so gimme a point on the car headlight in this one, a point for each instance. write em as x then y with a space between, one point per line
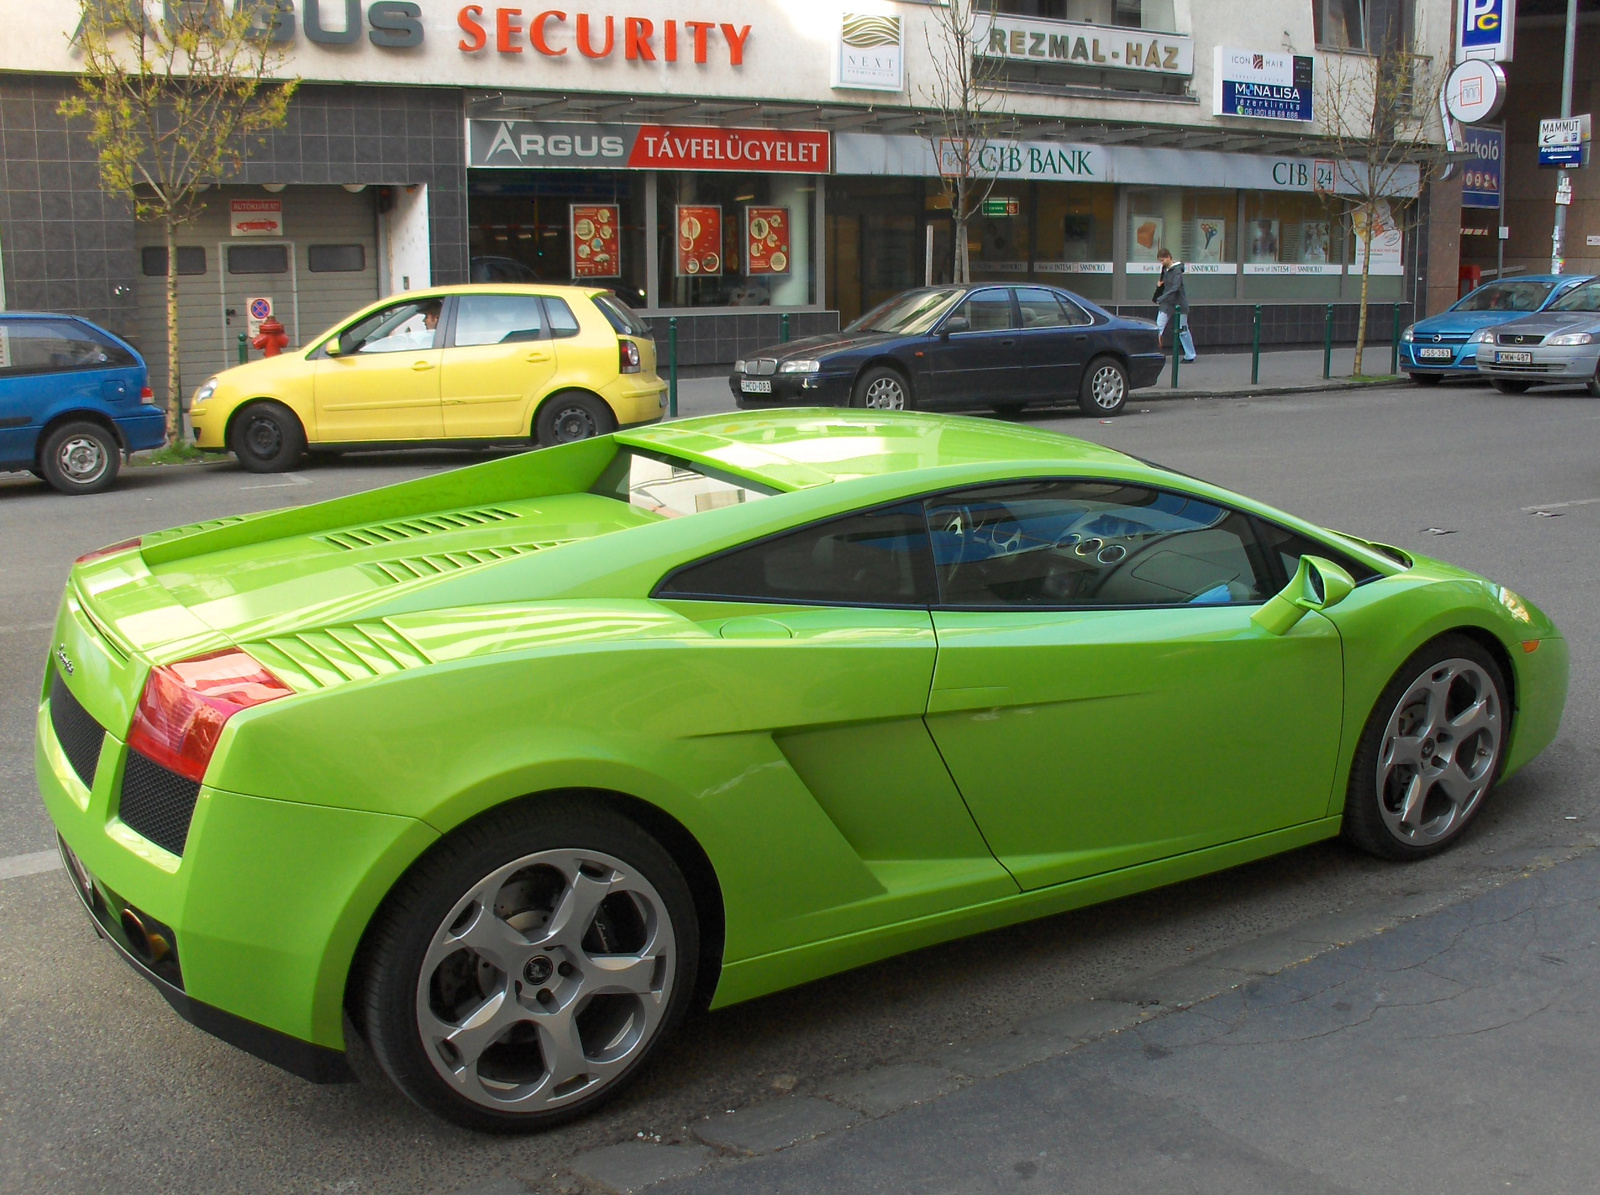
1483 336
800 366
738 366
1409 334
207 389
1514 604
1572 338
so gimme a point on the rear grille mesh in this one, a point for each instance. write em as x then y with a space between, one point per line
157 803
417 568
376 535
76 730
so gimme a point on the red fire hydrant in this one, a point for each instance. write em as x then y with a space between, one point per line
272 339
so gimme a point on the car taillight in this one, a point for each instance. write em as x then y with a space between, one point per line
628 356
109 550
148 397
185 706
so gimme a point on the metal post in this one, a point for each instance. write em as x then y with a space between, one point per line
1558 238
1177 339
1255 350
1499 214
672 367
1394 344
244 350
1327 344
783 327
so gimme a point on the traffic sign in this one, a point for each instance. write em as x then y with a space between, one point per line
1564 141
257 310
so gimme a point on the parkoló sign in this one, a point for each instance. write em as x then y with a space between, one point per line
513 144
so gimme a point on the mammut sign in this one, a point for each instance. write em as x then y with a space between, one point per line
553 144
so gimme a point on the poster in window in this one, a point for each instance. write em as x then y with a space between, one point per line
596 240
1148 233
1316 237
1210 234
1263 240
766 240
699 241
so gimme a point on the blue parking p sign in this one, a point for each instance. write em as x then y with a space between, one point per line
1486 30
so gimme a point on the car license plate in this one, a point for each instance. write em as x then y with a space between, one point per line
763 386
1513 358
1436 354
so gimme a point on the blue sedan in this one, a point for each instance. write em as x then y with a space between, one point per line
1440 346
73 399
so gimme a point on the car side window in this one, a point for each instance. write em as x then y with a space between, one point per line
871 558
1288 546
562 322
399 328
497 319
1068 544
56 346
986 310
1041 308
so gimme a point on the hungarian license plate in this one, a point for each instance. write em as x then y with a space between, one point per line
759 386
1436 354
1513 358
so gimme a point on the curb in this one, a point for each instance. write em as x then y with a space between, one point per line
1320 387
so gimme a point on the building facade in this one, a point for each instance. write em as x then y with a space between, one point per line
731 162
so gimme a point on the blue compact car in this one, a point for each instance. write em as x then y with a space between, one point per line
1439 347
73 400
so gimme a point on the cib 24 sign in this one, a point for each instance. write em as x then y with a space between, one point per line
1487 29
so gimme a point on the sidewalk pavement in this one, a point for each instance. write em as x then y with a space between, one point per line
1214 375
1454 1052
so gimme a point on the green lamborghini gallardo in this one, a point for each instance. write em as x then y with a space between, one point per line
517 763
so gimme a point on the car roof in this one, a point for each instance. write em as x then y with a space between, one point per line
1555 278
795 449
500 288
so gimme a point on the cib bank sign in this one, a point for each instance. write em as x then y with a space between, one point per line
1487 29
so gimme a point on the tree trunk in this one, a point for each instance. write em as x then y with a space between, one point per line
959 265
174 368
1361 322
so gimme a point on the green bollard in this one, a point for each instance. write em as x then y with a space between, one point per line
783 324
244 350
1255 350
1177 342
1327 345
1394 344
672 367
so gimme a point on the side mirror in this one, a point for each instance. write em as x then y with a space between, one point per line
956 323
333 348
1318 584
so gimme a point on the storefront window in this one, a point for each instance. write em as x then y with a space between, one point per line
1073 231
1197 227
877 243
1293 247
524 227
1135 14
733 240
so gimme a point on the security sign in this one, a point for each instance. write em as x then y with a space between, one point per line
1487 30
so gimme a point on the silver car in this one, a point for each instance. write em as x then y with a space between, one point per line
1559 344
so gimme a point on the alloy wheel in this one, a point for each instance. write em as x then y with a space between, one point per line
1439 751
886 394
82 460
546 981
1108 388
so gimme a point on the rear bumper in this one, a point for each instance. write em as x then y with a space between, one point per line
1144 369
637 401
147 429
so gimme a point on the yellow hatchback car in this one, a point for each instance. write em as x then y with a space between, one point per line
484 364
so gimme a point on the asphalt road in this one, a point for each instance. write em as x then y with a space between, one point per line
102 1088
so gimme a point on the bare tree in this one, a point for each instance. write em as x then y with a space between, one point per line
174 105
1378 112
968 104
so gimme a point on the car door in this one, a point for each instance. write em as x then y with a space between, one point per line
498 360
53 365
823 641
1054 335
973 359
1102 697
382 383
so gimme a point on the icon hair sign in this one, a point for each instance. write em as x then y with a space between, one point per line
872 53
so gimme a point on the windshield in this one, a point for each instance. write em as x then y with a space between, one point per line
1582 298
671 487
907 314
1507 296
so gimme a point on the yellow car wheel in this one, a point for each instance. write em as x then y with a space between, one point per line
571 416
267 438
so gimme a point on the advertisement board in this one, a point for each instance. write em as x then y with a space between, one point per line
699 240
766 240
562 145
596 242
255 217
872 53
1481 176
1263 86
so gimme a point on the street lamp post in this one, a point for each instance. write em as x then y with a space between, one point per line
1558 237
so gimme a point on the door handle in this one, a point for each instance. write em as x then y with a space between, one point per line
419 366
536 357
1081 338
1005 344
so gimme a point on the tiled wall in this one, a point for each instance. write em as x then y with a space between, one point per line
69 246
1282 324
722 338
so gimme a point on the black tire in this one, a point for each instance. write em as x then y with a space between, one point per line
267 438
570 416
80 458
1427 379
1104 390
883 389
1510 385
1380 781
1592 386
437 905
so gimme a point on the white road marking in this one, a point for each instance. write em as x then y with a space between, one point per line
27 865
1560 505
292 479
32 626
